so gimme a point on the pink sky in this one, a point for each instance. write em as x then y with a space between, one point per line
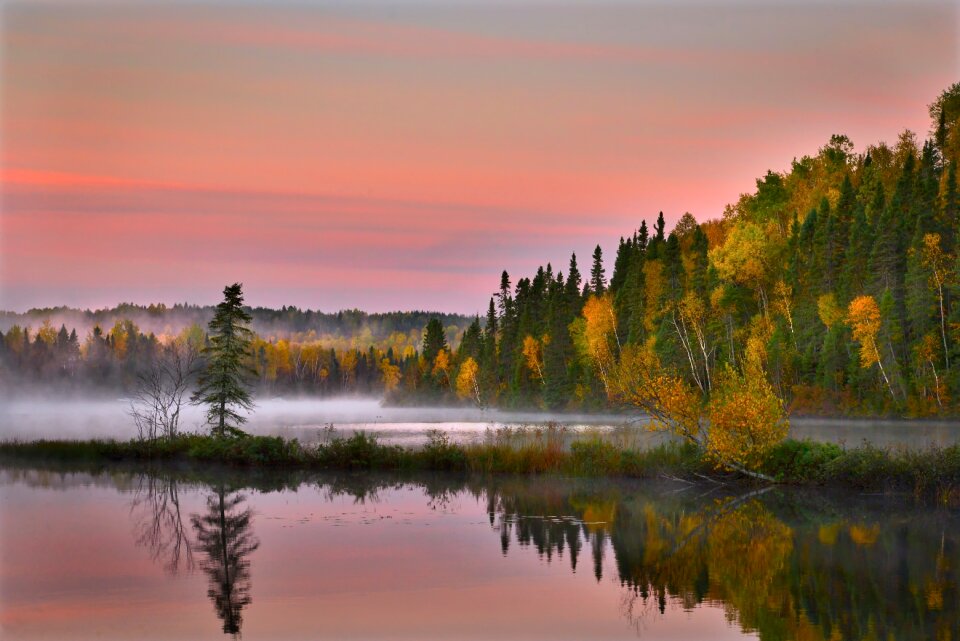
399 156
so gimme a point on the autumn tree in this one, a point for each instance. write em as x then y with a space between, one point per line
533 356
863 315
937 264
390 374
467 384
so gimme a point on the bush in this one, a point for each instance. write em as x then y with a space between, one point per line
440 454
800 461
361 451
247 450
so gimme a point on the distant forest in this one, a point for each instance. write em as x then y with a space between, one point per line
295 351
840 276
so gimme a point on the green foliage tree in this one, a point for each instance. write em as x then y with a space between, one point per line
223 385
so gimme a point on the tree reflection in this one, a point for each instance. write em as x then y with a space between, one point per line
225 537
159 525
782 566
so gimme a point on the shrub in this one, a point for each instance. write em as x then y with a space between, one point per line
440 454
361 451
800 461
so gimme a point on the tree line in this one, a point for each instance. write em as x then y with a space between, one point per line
838 279
115 358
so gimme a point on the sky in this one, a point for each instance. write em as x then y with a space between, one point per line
400 155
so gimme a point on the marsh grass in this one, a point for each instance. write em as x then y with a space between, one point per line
544 449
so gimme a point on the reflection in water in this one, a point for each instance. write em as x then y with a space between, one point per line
225 536
782 564
159 524
785 567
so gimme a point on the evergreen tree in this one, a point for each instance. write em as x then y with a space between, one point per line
643 236
659 229
434 340
223 385
598 283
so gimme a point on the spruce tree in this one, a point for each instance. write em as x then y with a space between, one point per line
434 340
659 229
598 283
223 385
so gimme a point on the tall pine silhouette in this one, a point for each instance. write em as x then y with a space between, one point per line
224 384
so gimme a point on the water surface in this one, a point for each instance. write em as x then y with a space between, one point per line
306 418
117 555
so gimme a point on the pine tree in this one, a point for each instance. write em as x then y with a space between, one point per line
643 236
621 264
598 283
659 229
557 389
223 385
434 340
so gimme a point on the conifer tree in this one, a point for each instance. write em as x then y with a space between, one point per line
224 384
659 229
598 283
434 340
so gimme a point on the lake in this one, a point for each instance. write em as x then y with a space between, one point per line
45 417
125 555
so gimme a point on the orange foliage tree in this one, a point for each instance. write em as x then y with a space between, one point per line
863 315
735 426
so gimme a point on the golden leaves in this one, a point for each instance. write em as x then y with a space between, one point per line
829 311
746 419
391 375
467 380
863 315
533 355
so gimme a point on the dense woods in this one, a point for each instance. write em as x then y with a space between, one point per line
836 281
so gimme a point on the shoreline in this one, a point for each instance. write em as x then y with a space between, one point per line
931 473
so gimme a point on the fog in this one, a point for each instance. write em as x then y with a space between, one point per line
38 417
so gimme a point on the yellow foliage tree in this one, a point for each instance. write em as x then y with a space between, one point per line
739 424
937 262
690 323
441 366
783 304
533 356
926 352
746 418
391 375
467 386
600 335
829 311
863 316
744 258
47 333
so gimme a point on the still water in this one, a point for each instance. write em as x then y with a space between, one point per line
305 419
122 555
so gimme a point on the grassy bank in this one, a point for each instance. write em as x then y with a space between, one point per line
931 472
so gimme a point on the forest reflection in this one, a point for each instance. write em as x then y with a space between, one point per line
782 564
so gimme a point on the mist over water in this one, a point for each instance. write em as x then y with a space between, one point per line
39 416
304 418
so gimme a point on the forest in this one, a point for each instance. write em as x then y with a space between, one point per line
836 280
